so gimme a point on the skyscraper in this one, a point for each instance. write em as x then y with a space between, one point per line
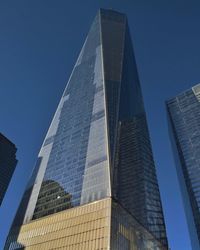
184 119
8 163
96 185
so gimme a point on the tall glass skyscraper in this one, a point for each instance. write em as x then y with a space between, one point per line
96 185
184 119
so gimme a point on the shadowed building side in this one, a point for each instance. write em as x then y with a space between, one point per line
8 164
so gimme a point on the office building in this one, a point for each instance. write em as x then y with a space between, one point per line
8 163
184 120
96 186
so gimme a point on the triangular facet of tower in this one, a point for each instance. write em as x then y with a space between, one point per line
75 151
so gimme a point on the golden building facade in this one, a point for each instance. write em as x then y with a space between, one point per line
101 225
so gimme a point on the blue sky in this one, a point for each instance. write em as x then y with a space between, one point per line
39 43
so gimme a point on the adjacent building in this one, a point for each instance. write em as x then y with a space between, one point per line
184 120
8 163
96 184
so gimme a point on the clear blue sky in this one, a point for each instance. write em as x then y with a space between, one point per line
39 43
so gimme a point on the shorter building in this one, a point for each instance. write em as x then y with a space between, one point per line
184 120
8 163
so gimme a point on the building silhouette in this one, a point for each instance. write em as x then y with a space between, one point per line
184 120
97 153
8 164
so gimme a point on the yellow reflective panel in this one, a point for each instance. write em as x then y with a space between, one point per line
76 228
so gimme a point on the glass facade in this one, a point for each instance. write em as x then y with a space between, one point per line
74 154
8 164
184 120
98 145
128 234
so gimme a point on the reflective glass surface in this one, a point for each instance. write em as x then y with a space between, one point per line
76 171
184 118
128 234
98 143
134 181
